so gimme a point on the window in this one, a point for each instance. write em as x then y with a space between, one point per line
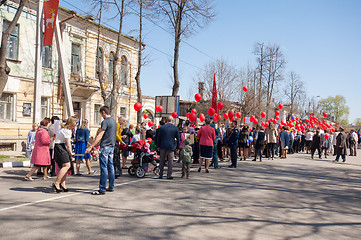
97 116
111 71
75 58
47 56
13 42
123 112
99 62
6 106
124 71
44 107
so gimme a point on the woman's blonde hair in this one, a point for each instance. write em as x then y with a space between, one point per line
84 124
35 125
70 123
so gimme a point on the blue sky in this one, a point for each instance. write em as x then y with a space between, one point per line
321 40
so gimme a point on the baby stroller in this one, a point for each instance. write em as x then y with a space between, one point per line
143 162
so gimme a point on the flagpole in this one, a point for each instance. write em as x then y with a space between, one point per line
38 65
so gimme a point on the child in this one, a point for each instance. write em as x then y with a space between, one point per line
186 157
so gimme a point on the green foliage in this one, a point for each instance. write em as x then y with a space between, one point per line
357 122
336 109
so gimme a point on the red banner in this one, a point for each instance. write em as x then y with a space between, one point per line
214 94
50 13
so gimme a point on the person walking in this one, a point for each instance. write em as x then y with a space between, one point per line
119 140
63 153
341 145
168 140
308 138
316 144
233 144
31 140
52 138
126 136
186 158
107 139
326 142
285 141
243 142
81 142
271 139
353 142
40 157
259 144
214 162
206 136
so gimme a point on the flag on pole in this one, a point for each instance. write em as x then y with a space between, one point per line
214 94
50 13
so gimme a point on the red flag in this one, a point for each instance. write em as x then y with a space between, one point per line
50 13
214 95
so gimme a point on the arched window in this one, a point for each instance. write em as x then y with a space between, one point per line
111 69
99 67
124 71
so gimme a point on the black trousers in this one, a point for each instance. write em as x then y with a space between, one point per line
116 161
319 150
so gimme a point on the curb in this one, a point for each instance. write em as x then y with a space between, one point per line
15 164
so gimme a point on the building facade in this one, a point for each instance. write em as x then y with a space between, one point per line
84 54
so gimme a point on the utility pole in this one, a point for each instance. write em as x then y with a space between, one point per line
38 65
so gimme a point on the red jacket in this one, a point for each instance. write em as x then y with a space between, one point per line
206 135
41 155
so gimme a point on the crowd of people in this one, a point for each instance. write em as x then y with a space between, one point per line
54 146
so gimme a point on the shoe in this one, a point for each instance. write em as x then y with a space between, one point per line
187 177
169 178
344 161
260 160
55 189
116 176
199 169
64 189
98 193
254 160
182 176
109 190
207 171
44 178
125 167
78 174
231 166
269 158
93 172
160 177
29 178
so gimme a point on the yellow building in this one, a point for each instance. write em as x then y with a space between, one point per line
80 36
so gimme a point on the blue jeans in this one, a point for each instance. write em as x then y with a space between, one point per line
215 156
233 154
106 168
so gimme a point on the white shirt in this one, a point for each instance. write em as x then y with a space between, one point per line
136 137
354 135
309 136
62 135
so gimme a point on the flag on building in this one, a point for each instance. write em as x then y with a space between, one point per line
50 14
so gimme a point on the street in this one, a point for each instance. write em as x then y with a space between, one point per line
293 198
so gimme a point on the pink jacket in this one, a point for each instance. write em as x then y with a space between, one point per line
206 135
41 155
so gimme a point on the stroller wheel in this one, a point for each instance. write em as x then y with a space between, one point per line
156 171
140 172
132 171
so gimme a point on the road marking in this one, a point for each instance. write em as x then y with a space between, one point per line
68 195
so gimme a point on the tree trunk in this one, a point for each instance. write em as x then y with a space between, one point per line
116 57
4 69
137 76
177 40
100 72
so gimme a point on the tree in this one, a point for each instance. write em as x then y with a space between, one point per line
336 109
357 122
184 17
294 90
4 68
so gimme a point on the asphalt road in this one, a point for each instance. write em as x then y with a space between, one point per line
294 198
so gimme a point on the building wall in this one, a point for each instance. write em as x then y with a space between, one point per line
84 86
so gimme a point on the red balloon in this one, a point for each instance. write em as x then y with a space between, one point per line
137 106
150 123
274 121
225 116
145 116
188 115
231 114
277 112
280 106
255 121
149 140
263 114
277 118
192 117
220 106
238 115
193 111
197 97
245 88
211 112
231 119
215 117
266 124
219 117
252 118
160 108
324 114
201 117
174 114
